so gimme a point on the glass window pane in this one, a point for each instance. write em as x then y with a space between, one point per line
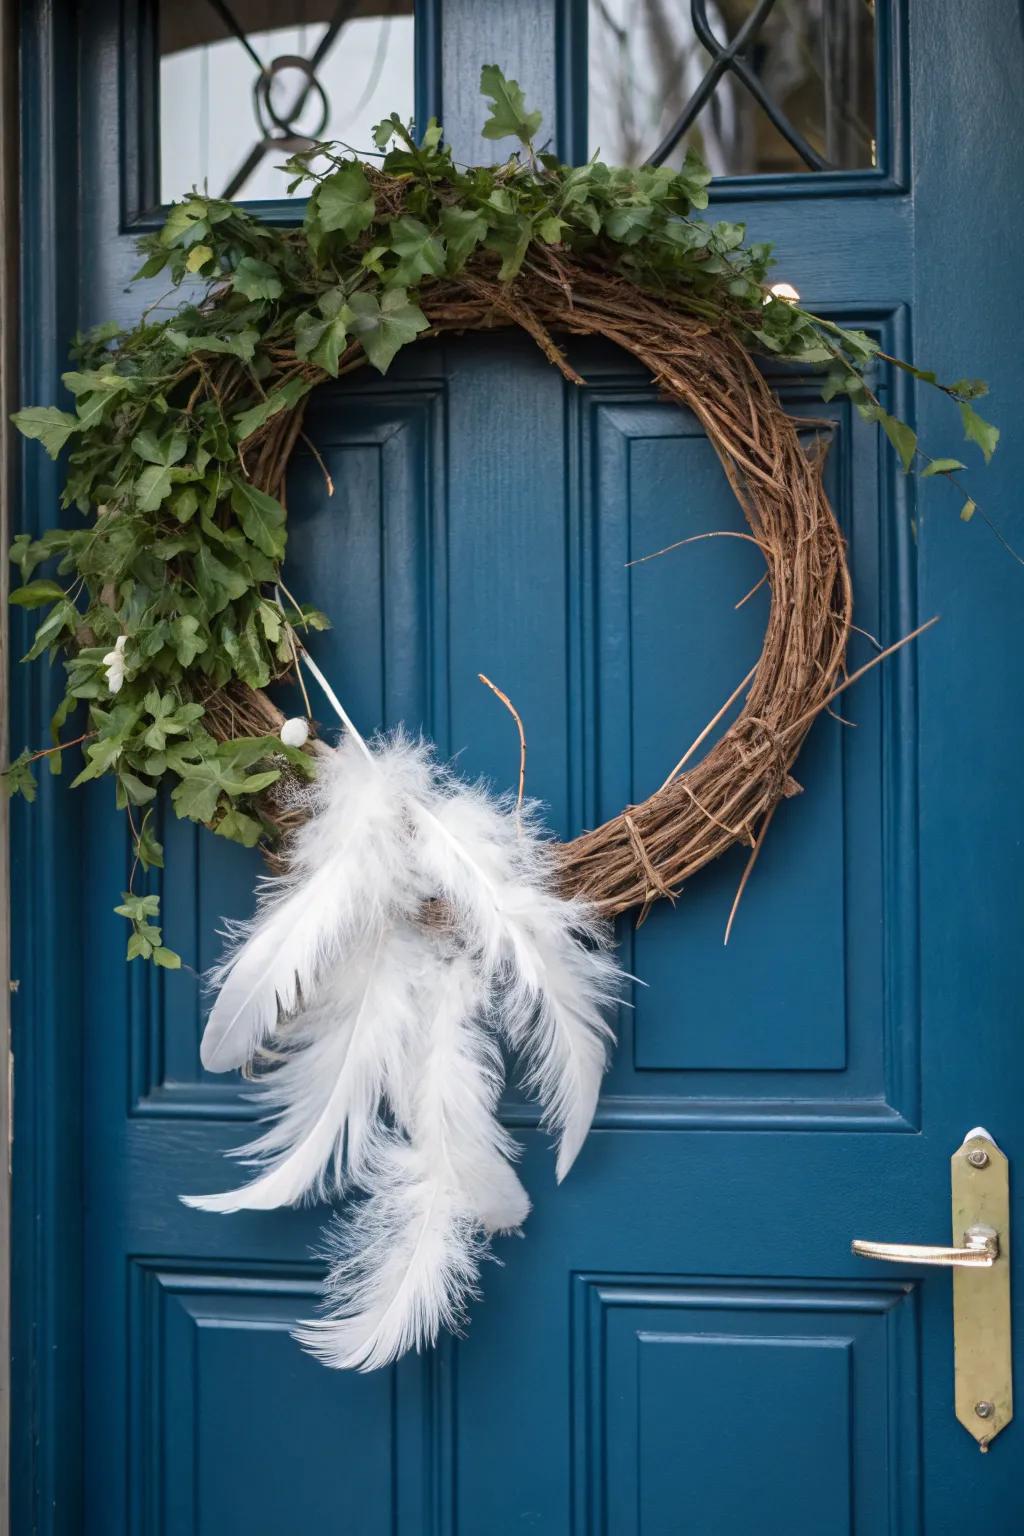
801 96
245 83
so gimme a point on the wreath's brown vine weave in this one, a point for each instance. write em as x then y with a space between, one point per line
728 795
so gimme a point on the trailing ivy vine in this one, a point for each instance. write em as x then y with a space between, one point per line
170 589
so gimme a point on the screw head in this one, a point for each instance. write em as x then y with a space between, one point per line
978 1157
984 1409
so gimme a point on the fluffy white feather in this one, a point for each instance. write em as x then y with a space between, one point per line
402 1267
391 1072
405 1265
548 955
451 1092
342 1054
347 874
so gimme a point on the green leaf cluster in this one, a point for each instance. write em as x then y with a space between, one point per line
146 940
167 589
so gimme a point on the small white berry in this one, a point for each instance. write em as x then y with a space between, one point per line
295 732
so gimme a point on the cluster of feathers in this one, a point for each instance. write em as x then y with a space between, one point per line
416 931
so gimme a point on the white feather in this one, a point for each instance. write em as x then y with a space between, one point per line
407 1261
347 874
548 954
450 1097
342 1053
403 1266
391 1073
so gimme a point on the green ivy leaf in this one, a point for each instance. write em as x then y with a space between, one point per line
136 790
941 467
197 796
270 619
36 593
262 518
385 130
628 225
967 389
902 437
283 399
218 583
185 223
48 425
344 203
421 253
550 229
509 117
163 451
197 258
139 947
239 827
252 664
60 617
511 241
152 487
101 756
321 336
19 779
241 344
256 279
28 553
185 505
150 851
977 429
386 325
188 640
463 230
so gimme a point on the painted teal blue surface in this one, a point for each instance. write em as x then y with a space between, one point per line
683 1345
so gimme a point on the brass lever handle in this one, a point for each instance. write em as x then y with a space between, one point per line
980 1251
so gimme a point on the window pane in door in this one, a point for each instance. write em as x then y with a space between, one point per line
246 83
797 94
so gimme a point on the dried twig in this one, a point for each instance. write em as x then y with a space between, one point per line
519 727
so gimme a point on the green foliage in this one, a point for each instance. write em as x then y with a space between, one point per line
509 117
19 778
146 940
168 591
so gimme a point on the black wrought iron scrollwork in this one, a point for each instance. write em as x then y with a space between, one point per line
731 58
279 129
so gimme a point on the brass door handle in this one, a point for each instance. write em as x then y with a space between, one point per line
979 1256
979 1251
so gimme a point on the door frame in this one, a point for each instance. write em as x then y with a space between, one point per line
9 190
40 262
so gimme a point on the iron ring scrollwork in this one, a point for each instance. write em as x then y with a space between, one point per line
731 58
279 127
288 136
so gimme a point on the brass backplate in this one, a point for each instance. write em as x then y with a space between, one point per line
981 1297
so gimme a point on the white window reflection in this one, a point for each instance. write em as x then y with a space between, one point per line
244 83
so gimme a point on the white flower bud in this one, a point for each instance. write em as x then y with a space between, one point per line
115 666
295 732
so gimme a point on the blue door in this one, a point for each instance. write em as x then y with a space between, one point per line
683 1345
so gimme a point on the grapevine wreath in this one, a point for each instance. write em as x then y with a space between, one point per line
183 429
173 617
